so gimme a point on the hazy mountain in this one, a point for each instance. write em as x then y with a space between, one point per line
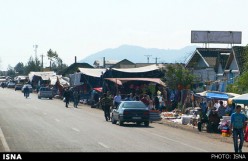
138 54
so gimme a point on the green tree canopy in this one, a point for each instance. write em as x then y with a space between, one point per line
33 64
56 63
19 68
177 74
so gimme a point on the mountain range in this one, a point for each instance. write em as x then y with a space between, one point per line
137 54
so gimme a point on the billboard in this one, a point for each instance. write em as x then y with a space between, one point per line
225 37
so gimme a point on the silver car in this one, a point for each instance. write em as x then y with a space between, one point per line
45 92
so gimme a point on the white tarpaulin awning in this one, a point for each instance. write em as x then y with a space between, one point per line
138 70
92 72
43 75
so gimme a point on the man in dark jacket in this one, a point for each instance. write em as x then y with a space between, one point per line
106 102
67 97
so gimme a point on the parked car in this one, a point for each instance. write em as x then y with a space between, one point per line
18 87
45 92
29 87
11 85
131 111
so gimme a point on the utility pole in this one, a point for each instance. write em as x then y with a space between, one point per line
148 56
42 62
35 50
156 60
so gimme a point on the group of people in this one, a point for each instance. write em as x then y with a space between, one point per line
238 124
71 93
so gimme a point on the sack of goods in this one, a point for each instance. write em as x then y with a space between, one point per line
225 133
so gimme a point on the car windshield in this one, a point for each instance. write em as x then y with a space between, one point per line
134 105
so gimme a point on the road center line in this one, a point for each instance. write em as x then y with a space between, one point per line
194 147
4 142
103 145
75 129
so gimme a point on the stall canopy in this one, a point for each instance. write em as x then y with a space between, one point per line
219 96
204 94
151 71
92 72
242 99
137 70
120 81
98 89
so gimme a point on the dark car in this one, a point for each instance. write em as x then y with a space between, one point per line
11 85
18 87
131 111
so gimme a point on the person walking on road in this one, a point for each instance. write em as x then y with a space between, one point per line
67 97
238 126
26 91
75 98
106 102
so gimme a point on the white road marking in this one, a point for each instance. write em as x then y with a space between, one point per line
4 142
103 145
57 120
75 129
179 142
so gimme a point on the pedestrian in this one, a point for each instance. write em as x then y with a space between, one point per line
106 102
117 99
238 127
66 97
26 91
75 98
203 119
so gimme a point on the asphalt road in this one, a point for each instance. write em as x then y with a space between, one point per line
34 125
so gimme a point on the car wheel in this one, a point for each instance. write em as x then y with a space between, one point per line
39 97
113 120
146 123
50 98
121 123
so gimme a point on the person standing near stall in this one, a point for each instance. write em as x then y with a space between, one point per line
238 127
106 102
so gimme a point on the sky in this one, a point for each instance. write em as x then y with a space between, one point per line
83 27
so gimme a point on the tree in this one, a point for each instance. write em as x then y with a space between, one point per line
56 63
19 68
177 77
11 71
33 65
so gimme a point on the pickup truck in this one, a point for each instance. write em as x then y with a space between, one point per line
45 92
